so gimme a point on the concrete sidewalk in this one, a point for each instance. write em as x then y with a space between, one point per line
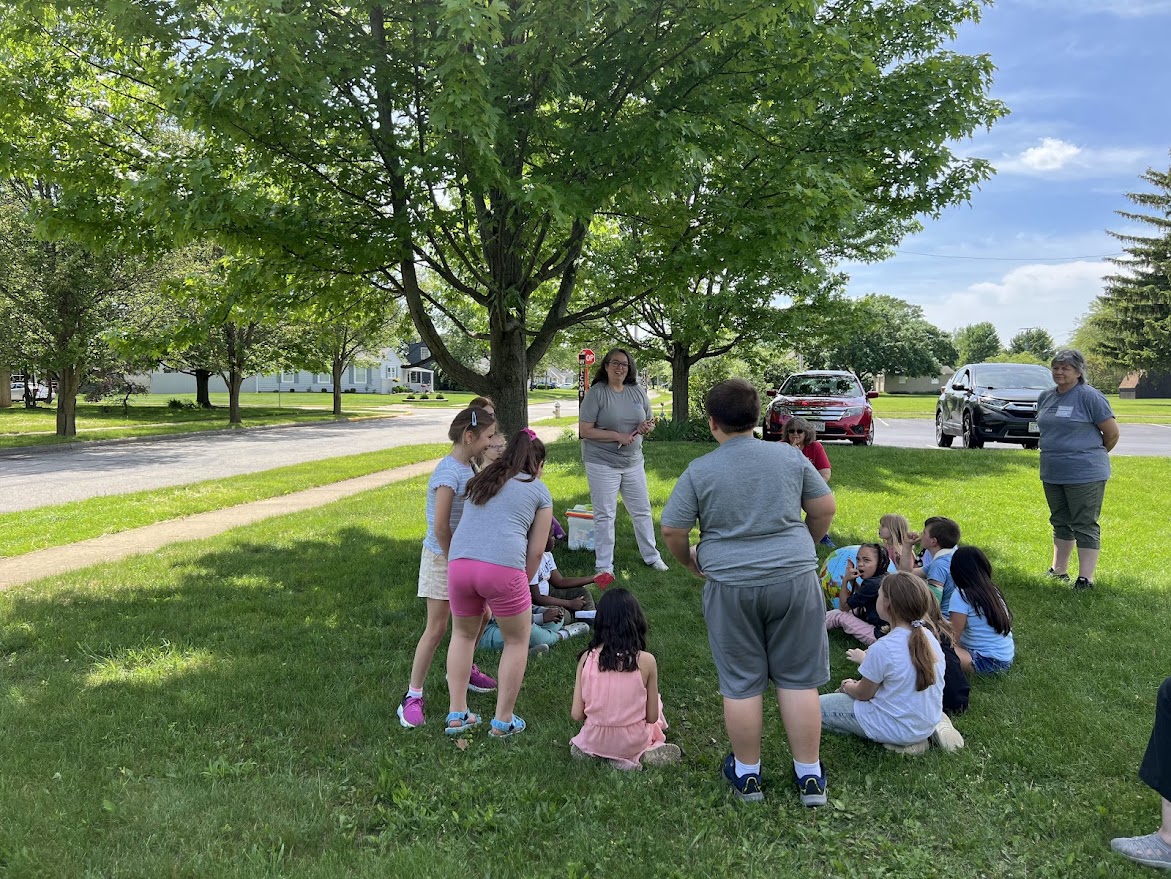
138 541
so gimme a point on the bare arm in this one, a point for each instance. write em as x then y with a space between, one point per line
538 538
1110 433
825 473
559 582
577 712
650 677
819 513
959 622
444 498
863 690
678 542
590 430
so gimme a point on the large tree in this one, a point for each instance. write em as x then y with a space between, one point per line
1033 340
884 334
1135 308
462 151
976 343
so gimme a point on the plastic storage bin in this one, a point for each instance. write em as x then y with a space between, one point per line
581 527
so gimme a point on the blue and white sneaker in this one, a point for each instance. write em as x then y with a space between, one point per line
746 787
812 788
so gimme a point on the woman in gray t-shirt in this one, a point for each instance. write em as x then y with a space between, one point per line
1078 431
614 417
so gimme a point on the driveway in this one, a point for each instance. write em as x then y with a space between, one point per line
45 477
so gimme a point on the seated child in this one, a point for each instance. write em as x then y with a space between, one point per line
939 538
858 597
616 694
548 628
899 699
833 571
552 589
980 618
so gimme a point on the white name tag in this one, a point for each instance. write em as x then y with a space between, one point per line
1064 411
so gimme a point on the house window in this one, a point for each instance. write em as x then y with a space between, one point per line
324 378
935 381
361 375
289 378
392 372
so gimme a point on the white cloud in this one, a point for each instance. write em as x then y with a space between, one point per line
1050 296
1056 157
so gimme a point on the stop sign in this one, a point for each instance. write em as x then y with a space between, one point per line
589 356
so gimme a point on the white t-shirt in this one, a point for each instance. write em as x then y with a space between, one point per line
898 714
544 572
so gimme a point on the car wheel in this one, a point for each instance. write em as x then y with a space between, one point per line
867 440
1032 444
943 440
971 438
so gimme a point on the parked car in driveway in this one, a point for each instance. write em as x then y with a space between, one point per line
991 402
40 392
832 400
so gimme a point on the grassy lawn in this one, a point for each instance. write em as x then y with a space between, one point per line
923 406
30 530
226 709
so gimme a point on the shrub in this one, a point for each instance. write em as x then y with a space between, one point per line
440 397
176 403
324 390
410 396
691 431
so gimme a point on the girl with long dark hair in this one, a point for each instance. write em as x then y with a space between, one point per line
980 619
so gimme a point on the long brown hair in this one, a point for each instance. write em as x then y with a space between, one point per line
523 454
631 372
909 600
473 418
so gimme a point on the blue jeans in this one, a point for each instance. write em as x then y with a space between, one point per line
837 714
986 665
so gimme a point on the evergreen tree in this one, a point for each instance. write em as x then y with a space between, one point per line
1136 305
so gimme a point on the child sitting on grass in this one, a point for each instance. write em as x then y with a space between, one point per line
899 699
939 539
552 589
616 694
858 597
980 618
548 628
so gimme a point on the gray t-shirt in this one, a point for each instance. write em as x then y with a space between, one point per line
609 410
1071 444
453 474
498 531
747 498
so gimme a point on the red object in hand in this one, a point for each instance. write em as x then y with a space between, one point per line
604 579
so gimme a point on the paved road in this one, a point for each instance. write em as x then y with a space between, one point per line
919 433
44 477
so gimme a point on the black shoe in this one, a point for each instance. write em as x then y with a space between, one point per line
746 787
1081 584
1053 575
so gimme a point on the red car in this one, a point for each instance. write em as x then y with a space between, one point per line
832 400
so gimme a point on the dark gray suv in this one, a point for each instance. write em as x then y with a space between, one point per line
991 402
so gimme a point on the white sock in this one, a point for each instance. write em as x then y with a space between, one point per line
743 769
804 769
413 693
562 634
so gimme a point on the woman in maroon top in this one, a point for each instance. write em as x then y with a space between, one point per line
800 433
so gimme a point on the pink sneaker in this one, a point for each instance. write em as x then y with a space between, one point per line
410 712
480 682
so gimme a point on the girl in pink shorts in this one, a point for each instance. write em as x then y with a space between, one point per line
494 555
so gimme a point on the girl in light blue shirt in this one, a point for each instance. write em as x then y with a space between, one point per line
980 619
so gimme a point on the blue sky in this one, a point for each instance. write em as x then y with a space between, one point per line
1089 86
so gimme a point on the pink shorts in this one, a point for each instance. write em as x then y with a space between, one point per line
472 584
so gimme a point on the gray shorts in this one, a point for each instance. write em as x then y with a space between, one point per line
773 632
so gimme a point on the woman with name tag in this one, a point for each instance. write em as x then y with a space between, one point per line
1078 431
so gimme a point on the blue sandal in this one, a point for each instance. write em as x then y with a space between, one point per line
466 721
502 730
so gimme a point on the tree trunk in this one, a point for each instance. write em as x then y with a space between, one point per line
680 377
508 379
202 393
339 366
69 379
5 387
235 380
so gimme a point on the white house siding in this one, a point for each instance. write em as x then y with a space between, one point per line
378 378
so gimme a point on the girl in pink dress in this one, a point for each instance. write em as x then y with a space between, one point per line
616 694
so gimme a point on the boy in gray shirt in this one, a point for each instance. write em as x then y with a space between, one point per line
762 603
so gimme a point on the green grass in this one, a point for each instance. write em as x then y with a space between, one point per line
225 708
923 406
29 530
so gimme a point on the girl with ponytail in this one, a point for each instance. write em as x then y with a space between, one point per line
899 699
494 555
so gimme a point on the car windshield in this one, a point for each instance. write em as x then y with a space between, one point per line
1015 375
820 386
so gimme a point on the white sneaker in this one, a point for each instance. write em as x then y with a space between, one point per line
946 736
575 629
910 750
538 650
659 565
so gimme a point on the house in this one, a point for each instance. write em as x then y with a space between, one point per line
378 377
1145 386
555 378
917 384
